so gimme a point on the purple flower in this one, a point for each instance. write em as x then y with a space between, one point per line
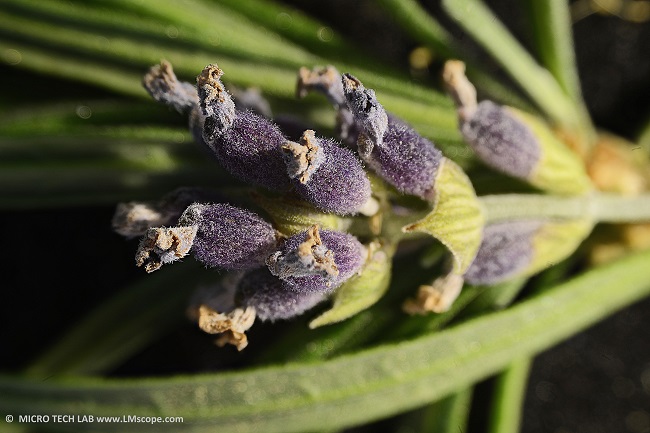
317 261
501 141
229 237
328 82
271 297
163 86
506 249
135 218
246 144
328 176
393 149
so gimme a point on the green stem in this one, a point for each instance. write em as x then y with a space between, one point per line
448 415
600 207
508 397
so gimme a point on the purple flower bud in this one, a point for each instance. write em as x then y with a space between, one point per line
324 80
328 176
271 298
514 142
506 249
246 144
501 141
328 82
135 218
163 86
229 237
393 149
369 114
317 261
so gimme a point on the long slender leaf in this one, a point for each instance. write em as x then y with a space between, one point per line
347 390
536 81
551 30
424 28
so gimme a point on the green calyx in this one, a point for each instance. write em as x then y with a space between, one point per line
457 218
559 170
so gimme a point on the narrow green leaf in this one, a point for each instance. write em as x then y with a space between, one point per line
49 62
457 217
550 25
424 28
361 291
508 398
421 26
351 389
537 82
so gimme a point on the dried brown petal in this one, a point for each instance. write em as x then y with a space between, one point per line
232 325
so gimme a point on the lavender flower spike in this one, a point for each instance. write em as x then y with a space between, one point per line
246 144
317 261
393 149
328 176
271 298
228 237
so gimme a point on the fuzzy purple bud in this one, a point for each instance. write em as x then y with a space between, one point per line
506 249
271 298
163 86
393 149
229 237
328 176
406 160
135 218
246 144
328 82
501 141
323 80
317 261
369 114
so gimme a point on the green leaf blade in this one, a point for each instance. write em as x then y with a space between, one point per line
350 389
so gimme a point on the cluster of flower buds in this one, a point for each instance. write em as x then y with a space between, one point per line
280 270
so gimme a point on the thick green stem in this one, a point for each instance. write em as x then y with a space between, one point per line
600 207
509 394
